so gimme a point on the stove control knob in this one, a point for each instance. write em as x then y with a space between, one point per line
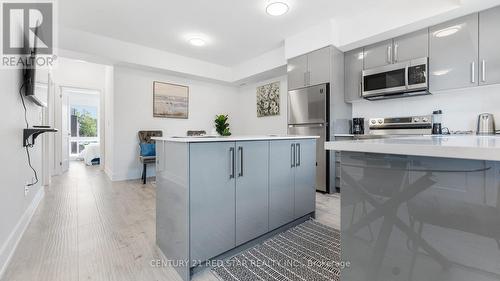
373 121
380 121
416 119
425 119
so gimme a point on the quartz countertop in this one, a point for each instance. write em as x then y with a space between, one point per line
231 138
461 147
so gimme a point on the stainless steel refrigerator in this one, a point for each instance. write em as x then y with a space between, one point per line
308 114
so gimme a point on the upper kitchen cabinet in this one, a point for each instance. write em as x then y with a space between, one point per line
309 69
404 48
378 54
411 46
297 72
489 55
454 54
353 66
319 63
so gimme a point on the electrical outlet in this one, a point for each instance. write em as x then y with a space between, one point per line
26 190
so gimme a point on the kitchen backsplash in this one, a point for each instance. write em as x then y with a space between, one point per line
460 107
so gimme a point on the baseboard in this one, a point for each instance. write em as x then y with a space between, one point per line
132 174
9 247
108 172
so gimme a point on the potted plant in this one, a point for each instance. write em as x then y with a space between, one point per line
221 125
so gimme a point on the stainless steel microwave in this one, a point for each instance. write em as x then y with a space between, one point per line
397 80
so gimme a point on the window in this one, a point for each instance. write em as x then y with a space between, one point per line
83 126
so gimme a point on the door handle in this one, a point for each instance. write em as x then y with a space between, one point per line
240 152
297 149
473 72
231 160
292 155
483 71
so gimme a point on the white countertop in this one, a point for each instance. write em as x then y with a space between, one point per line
232 138
462 147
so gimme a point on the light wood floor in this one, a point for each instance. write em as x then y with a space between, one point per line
89 228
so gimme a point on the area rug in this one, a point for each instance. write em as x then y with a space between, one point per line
309 251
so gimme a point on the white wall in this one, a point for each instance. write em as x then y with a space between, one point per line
133 111
15 208
245 119
107 130
460 107
80 74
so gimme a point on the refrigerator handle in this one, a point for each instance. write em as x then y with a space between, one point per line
308 125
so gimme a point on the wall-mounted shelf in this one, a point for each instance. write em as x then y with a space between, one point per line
34 133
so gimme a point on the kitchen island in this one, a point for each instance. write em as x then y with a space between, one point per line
218 195
420 208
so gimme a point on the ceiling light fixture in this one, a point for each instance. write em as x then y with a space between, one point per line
447 31
198 42
277 8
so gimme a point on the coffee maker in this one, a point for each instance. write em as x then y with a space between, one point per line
358 126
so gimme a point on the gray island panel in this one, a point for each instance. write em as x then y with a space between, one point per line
214 198
212 201
419 218
172 204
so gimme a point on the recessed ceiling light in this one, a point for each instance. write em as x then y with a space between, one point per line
447 31
277 8
198 42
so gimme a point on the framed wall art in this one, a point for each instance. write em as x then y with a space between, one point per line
268 100
170 100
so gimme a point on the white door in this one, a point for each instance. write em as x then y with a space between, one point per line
65 133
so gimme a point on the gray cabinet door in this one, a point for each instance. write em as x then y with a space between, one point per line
453 54
489 41
212 204
319 63
411 46
353 66
281 183
378 54
252 190
305 177
297 72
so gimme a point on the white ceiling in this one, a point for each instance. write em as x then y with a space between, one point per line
239 30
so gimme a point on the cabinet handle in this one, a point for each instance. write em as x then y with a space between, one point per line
292 155
396 55
297 149
389 54
473 72
231 159
240 151
361 89
483 71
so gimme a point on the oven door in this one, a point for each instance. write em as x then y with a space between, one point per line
388 79
417 75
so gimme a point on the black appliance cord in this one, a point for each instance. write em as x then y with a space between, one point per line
29 145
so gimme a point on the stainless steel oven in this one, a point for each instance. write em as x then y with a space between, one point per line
402 79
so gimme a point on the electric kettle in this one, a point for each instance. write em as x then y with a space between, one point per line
486 124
